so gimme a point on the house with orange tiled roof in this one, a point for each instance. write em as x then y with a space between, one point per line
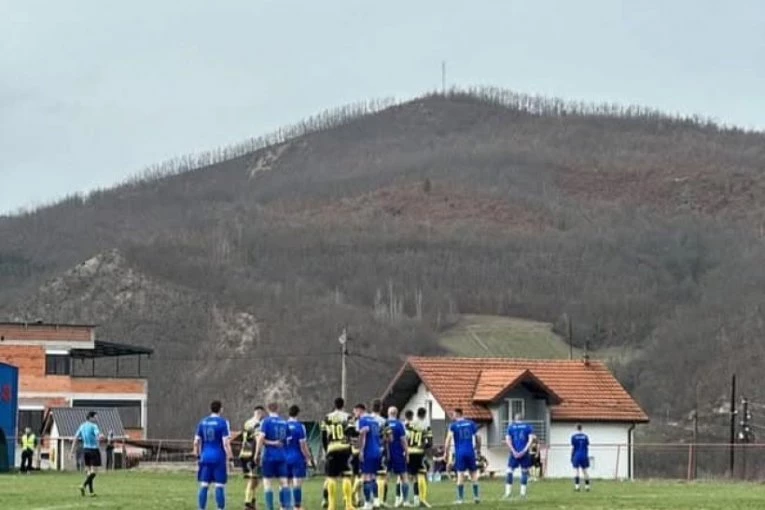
552 395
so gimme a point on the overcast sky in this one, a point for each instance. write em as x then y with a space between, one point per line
92 91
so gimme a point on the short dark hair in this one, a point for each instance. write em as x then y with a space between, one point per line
272 407
260 408
408 414
360 406
458 411
376 405
293 411
339 403
215 406
578 426
422 412
92 414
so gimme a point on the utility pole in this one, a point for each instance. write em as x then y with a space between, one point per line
695 441
745 434
732 445
570 338
343 366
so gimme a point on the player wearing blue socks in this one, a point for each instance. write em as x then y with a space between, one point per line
518 438
212 446
463 435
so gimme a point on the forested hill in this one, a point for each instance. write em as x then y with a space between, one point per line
241 266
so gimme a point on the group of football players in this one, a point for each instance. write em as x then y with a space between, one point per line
363 450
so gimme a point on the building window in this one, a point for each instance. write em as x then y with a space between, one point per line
508 411
32 418
58 364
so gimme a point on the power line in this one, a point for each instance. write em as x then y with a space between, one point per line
244 358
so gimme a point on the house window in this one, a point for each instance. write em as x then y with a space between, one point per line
511 408
32 418
58 364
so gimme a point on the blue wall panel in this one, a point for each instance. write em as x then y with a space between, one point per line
9 392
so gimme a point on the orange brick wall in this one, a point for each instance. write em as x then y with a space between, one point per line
46 332
31 364
57 383
29 360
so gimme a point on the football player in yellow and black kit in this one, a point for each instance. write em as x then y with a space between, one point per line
358 480
336 431
247 456
420 439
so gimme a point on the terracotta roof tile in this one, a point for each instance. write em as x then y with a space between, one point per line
588 392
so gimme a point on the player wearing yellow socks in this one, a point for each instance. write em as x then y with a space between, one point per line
337 428
420 440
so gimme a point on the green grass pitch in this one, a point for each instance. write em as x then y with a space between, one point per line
148 491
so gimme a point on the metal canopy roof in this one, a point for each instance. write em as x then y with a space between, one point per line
69 419
102 349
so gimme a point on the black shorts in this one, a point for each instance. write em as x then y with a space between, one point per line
355 465
249 468
91 457
338 463
415 465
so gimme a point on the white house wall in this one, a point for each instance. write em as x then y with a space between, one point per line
609 456
420 399
608 444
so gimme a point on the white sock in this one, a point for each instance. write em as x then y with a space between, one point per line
508 489
523 490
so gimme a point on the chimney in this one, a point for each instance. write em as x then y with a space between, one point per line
586 354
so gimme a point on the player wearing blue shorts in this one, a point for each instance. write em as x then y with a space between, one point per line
463 435
398 455
370 449
298 456
212 446
580 457
382 472
519 437
271 449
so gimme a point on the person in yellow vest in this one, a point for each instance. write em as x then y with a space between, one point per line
28 447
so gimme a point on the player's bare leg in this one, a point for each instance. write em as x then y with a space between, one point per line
348 491
422 488
524 481
297 493
250 493
475 477
285 494
460 488
509 483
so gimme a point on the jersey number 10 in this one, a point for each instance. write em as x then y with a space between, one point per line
336 432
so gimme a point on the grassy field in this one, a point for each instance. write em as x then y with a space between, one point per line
488 336
146 491
494 336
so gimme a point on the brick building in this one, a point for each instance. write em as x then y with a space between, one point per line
63 365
